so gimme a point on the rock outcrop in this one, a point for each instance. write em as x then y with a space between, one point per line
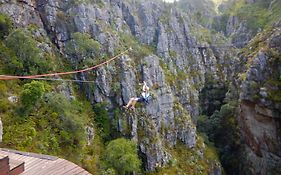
23 13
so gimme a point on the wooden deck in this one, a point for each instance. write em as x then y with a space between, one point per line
37 164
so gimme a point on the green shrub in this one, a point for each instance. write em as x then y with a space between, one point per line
54 126
138 51
9 62
4 105
255 16
82 46
102 120
31 93
109 171
121 155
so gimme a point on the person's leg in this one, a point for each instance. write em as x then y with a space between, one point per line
129 103
134 103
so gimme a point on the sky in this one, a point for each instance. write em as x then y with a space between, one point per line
169 0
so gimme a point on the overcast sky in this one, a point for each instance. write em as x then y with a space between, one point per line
169 0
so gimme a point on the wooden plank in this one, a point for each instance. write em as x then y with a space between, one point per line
14 163
2 155
66 166
16 157
8 153
39 169
37 164
27 161
30 160
85 173
35 155
68 170
49 168
77 171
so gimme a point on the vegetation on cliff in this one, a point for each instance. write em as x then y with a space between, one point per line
257 15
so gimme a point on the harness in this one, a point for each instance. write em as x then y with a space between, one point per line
146 97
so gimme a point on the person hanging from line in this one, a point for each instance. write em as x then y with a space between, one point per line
145 97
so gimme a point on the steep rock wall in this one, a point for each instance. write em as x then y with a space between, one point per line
176 69
260 108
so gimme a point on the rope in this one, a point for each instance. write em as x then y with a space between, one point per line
10 77
68 80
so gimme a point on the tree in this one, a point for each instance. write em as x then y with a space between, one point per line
5 25
222 129
27 52
32 92
121 155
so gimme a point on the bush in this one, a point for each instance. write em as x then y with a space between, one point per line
121 155
32 92
102 120
9 62
53 126
70 116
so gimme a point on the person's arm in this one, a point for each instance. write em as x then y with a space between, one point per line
145 87
144 83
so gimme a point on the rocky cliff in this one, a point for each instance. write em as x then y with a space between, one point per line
259 115
244 21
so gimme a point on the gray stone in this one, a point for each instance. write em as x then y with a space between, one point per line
232 24
90 133
13 99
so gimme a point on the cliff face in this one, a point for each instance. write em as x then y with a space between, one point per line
177 64
244 21
165 55
259 115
